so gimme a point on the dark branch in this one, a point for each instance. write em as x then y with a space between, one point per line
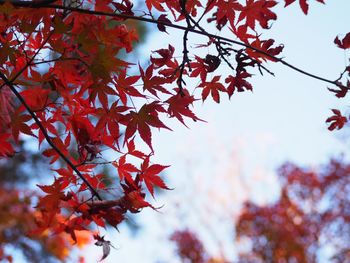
185 59
47 137
105 204
184 28
37 3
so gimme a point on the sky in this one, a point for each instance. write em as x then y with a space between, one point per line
234 155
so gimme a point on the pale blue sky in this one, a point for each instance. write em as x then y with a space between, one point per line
283 119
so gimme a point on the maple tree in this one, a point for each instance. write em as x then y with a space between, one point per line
88 100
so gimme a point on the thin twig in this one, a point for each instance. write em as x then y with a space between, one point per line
105 204
205 11
58 59
185 59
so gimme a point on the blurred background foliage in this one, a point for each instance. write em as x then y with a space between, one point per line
309 221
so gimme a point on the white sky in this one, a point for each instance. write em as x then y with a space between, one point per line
250 136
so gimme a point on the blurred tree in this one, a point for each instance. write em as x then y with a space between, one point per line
189 247
311 216
310 222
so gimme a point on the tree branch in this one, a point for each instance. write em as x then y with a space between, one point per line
35 3
105 204
47 137
175 26
185 59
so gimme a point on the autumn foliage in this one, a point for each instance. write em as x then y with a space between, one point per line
309 221
65 83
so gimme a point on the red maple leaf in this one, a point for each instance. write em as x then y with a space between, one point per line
157 4
266 46
132 150
125 169
242 33
101 91
54 195
303 4
257 10
199 68
163 18
165 56
125 7
344 43
36 98
337 121
342 91
142 120
6 107
213 87
179 106
18 125
6 149
83 129
111 118
238 83
226 11
150 175
151 83
136 201
124 86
